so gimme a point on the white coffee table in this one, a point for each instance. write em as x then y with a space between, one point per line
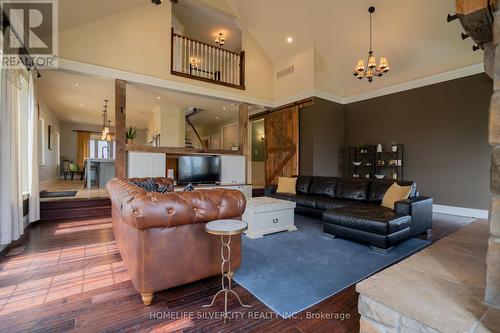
266 215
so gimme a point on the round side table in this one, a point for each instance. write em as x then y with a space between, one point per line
225 228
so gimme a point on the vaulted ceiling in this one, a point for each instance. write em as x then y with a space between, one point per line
413 34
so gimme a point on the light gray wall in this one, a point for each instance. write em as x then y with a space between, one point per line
444 128
68 137
321 138
49 170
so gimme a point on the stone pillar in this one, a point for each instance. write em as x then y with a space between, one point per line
492 61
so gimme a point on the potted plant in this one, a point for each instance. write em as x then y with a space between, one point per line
131 134
394 146
363 148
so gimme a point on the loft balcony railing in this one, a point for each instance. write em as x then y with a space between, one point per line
201 61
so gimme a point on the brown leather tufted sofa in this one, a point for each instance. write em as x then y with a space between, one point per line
161 236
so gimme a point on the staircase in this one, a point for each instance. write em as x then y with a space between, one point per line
188 143
75 208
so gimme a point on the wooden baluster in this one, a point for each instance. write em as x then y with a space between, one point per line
238 69
224 71
191 55
205 60
226 63
217 61
230 67
188 54
202 59
183 55
221 60
210 62
178 52
198 57
233 67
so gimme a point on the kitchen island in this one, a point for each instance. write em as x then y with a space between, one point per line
105 167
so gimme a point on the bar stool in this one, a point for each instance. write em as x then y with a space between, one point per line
94 169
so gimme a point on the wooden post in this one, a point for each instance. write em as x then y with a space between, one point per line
244 135
242 69
120 127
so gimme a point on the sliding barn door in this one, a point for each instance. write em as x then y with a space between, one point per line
282 144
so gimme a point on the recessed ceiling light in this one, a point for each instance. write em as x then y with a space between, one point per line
223 108
289 39
81 105
77 84
158 97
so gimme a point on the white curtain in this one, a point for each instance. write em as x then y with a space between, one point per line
34 199
11 208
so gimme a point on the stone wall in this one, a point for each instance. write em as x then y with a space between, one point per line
492 61
378 318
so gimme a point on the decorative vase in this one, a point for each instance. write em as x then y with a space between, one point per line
379 148
130 141
394 148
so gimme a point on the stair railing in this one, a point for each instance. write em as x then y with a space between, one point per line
201 61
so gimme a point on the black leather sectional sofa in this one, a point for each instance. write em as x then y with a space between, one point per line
350 208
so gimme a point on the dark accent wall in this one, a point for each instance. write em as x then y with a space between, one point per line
321 138
444 130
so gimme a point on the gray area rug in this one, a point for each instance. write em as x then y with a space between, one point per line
292 271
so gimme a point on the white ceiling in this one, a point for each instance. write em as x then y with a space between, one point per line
73 13
83 103
413 34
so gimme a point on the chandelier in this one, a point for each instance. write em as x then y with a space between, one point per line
371 70
106 124
220 39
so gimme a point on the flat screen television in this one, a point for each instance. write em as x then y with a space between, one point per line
198 170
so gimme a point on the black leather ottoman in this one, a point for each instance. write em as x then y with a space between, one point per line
375 225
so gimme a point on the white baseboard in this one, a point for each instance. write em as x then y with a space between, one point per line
460 211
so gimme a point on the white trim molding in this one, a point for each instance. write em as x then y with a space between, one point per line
418 83
460 211
294 98
422 82
110 73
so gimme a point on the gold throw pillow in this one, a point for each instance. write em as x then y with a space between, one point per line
287 185
395 193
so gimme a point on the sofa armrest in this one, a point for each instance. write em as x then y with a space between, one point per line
270 190
420 210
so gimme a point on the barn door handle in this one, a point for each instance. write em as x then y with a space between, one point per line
276 220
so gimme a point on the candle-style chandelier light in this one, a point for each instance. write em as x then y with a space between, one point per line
106 124
371 70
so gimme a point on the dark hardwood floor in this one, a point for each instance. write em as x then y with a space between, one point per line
69 276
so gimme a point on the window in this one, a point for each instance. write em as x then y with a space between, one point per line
101 148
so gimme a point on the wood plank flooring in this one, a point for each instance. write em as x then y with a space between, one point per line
70 277
78 185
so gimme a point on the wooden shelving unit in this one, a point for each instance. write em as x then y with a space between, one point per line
371 162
